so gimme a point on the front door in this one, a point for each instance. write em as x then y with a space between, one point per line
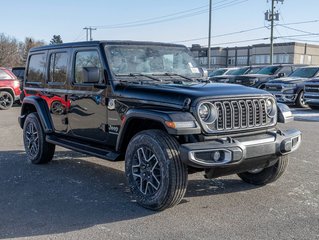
87 115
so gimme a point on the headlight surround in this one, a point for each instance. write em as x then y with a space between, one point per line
207 112
271 107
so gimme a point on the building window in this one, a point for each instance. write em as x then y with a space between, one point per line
231 61
281 58
242 60
262 59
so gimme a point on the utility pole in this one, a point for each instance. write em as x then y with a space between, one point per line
89 32
271 16
209 32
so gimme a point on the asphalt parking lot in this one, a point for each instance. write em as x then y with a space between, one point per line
80 197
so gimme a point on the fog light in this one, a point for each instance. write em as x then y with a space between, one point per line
216 156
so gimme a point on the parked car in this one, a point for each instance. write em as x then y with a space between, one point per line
145 103
260 78
18 72
311 95
229 78
290 90
9 89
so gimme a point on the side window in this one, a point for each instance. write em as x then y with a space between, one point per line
86 59
4 75
36 69
286 70
58 67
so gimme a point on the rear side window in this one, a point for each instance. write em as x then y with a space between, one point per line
286 70
58 67
36 70
4 75
85 59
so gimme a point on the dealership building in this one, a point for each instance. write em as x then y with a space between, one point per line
259 54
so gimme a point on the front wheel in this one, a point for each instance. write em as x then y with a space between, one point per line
300 101
266 175
6 100
38 150
155 173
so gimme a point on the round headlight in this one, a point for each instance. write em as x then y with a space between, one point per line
270 107
207 112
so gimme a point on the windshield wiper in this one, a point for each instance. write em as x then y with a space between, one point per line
175 74
145 75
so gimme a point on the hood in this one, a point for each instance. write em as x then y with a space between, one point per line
289 80
175 95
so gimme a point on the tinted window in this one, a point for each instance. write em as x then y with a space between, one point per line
4 75
58 67
305 72
36 68
268 70
286 70
86 59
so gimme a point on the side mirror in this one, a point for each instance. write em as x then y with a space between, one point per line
280 75
91 74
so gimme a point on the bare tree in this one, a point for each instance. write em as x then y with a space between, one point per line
9 51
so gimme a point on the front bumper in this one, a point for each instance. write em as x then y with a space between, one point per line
285 97
233 151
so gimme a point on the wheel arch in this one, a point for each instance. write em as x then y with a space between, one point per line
137 120
9 90
38 105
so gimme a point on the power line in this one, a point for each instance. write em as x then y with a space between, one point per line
171 17
221 35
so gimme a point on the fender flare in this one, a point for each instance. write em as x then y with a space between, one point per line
160 117
42 110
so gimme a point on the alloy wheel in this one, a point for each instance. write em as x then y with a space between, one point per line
146 171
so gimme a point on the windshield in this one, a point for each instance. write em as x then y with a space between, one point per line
231 72
308 72
151 60
268 70
239 71
254 70
217 72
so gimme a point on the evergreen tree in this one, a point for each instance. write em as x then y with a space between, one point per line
56 39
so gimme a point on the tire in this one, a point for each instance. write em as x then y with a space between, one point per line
6 100
266 175
154 171
37 149
300 101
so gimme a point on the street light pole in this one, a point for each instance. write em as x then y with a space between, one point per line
272 32
209 32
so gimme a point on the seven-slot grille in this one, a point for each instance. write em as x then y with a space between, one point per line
240 114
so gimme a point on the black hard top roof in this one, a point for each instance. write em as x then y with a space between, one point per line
97 43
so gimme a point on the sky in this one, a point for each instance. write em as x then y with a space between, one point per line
234 22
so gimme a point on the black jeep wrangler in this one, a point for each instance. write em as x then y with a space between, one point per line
147 103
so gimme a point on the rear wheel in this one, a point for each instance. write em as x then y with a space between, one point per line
267 175
300 101
155 173
38 150
6 100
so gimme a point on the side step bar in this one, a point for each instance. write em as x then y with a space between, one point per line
104 153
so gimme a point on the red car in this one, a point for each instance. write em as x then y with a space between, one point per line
9 88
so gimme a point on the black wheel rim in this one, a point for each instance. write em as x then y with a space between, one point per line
146 171
5 100
32 139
